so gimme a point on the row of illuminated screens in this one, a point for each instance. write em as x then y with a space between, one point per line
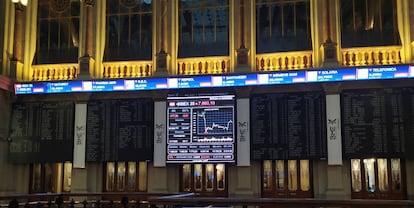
226 80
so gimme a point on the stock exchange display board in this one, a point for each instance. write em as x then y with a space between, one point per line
377 122
201 129
120 130
41 132
288 126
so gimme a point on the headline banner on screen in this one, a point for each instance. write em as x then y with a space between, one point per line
223 80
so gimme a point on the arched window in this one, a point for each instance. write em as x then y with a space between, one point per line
58 32
369 23
128 30
204 28
282 25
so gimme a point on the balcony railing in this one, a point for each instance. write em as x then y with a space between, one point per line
78 200
275 202
284 61
46 72
127 69
371 56
141 200
203 65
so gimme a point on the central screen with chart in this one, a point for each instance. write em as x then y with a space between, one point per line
200 129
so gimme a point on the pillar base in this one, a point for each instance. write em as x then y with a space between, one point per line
79 180
158 182
86 65
409 164
335 187
336 194
331 60
161 64
161 73
244 181
242 60
330 64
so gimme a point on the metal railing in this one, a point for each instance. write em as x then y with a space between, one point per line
244 202
78 200
163 200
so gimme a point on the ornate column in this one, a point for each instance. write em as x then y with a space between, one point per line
16 62
172 36
5 81
86 61
403 16
18 32
99 38
30 40
411 20
161 13
330 36
2 34
13 177
242 52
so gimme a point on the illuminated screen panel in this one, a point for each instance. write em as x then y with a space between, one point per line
210 81
200 129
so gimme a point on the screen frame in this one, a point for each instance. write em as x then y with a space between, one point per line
227 97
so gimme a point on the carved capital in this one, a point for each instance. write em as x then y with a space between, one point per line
19 7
